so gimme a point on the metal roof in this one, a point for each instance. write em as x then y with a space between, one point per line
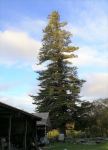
45 118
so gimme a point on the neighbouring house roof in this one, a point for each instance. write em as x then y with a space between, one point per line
45 118
16 110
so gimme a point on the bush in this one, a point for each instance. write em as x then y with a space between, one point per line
53 134
75 133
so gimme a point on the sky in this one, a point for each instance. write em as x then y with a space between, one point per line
21 25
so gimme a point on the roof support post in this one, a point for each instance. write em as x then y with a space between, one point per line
9 133
25 136
45 130
36 131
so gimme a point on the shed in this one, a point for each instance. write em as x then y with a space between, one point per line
17 128
44 125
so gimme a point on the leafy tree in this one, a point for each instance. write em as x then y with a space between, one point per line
100 115
60 85
84 114
93 117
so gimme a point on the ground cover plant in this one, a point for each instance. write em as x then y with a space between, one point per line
69 146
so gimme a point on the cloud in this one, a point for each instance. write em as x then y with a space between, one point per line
4 87
90 56
96 86
91 26
20 48
91 34
33 27
17 47
37 67
8 85
22 102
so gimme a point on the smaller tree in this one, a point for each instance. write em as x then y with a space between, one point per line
101 115
84 115
97 120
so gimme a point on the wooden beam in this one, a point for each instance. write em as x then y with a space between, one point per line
45 131
9 133
36 138
25 136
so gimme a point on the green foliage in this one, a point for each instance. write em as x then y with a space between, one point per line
94 118
75 134
69 146
84 113
100 118
53 134
71 132
60 85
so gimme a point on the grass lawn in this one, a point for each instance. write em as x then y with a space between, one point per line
68 146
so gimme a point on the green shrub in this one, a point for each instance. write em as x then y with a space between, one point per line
75 133
53 134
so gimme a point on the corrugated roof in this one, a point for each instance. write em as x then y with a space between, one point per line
44 116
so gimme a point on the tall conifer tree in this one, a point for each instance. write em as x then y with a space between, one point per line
60 85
